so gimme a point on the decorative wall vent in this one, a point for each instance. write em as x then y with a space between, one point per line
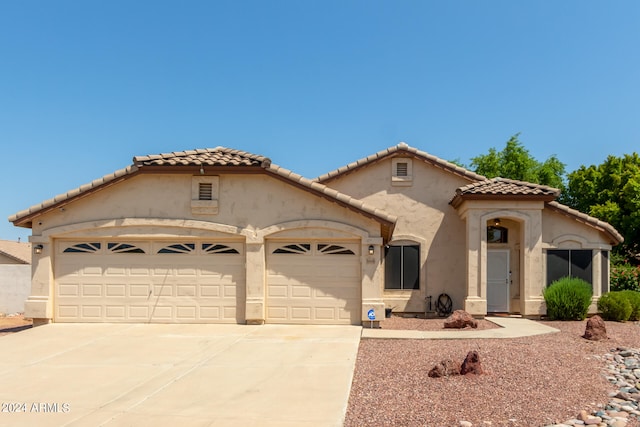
205 191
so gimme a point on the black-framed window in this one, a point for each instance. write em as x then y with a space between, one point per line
402 267
497 234
569 262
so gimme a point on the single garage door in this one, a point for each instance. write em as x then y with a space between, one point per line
149 281
313 283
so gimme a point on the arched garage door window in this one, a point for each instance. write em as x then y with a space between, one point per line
402 267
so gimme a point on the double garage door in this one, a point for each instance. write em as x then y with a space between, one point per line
307 282
149 282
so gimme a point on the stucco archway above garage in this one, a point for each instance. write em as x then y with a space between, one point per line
143 227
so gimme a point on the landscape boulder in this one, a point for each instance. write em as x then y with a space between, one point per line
596 329
460 319
445 368
471 364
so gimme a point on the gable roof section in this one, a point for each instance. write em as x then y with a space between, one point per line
502 188
576 215
18 251
402 149
219 159
509 189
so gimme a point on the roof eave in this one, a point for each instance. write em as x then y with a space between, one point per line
457 200
25 218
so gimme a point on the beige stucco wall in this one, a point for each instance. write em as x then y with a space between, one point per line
250 207
453 242
425 217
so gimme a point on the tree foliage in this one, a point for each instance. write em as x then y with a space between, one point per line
515 162
610 192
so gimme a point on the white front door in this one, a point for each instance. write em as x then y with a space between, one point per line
498 280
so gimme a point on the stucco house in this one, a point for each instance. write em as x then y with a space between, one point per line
221 235
15 275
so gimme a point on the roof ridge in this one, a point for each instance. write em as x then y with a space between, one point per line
498 179
400 147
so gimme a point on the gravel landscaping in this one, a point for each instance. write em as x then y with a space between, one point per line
532 381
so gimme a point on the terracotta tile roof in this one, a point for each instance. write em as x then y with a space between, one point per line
18 251
219 156
588 220
402 149
503 186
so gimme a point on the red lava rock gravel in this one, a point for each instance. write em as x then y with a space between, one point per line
531 381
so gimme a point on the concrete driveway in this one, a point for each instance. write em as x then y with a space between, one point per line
177 375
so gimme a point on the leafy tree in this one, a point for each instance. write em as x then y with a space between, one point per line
515 162
610 192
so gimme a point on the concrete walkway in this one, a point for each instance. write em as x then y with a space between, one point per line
177 375
510 327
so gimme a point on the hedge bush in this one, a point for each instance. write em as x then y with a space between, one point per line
634 298
568 299
615 306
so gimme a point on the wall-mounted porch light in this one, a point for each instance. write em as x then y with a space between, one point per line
496 222
371 249
37 249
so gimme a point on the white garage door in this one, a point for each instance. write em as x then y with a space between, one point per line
158 282
313 283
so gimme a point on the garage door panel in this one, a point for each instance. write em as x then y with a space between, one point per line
89 290
275 291
71 290
115 312
139 290
118 290
301 291
92 312
115 271
144 286
186 290
138 312
68 311
211 313
301 314
325 313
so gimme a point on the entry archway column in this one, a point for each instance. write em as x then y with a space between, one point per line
475 302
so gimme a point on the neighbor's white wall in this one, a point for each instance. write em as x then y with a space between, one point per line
15 285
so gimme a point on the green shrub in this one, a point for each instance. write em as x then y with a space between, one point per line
625 276
615 306
567 299
634 299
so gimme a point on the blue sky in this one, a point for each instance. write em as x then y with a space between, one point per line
86 85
